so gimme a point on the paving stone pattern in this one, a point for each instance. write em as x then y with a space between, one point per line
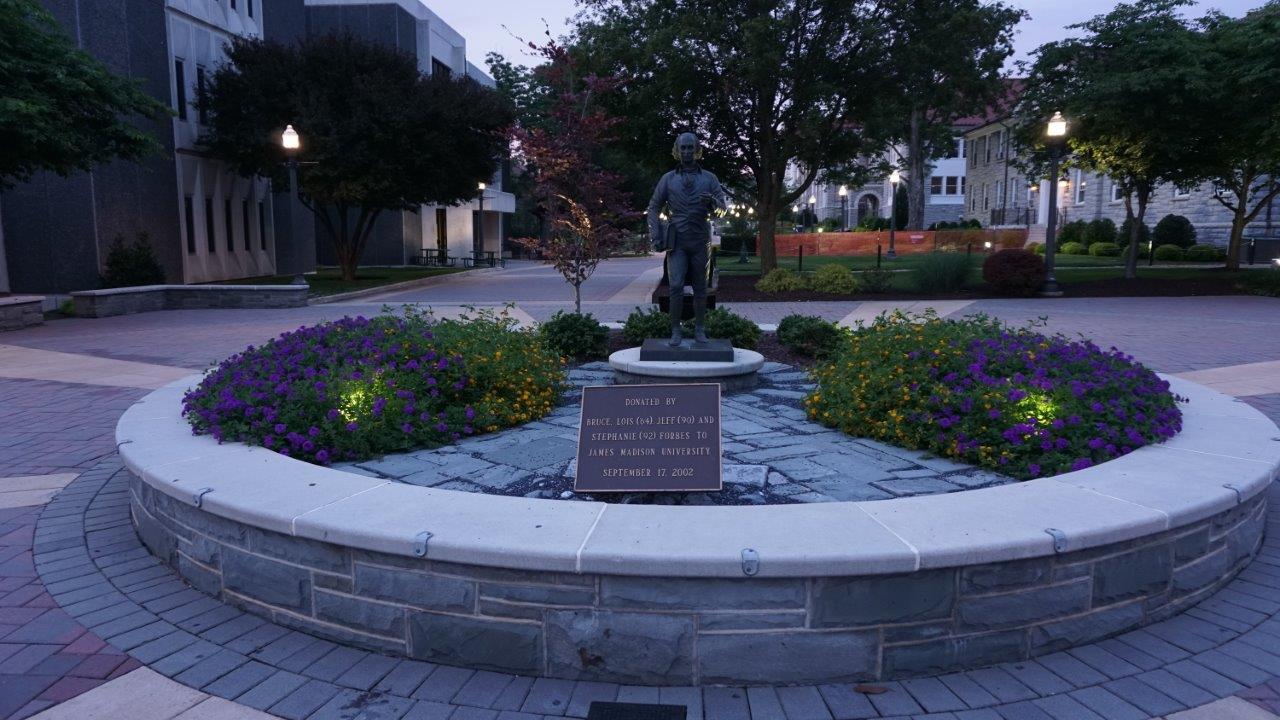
46 656
1225 645
772 455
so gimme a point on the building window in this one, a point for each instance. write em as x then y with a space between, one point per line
986 196
1117 192
935 185
190 220
233 4
227 226
202 113
180 86
244 223
1078 182
439 68
1182 192
999 191
262 225
1000 140
249 3
988 141
961 185
210 240
952 187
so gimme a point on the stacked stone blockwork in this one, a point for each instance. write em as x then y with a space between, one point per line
682 631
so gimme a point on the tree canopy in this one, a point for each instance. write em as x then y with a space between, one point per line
946 58
764 84
60 109
376 133
1128 86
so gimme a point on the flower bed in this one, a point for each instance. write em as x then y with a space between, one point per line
1023 403
361 387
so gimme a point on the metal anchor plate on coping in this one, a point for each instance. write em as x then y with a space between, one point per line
1059 539
750 562
420 543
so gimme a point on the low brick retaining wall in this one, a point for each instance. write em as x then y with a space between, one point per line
706 595
149 298
19 311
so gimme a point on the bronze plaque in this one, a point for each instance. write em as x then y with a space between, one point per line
649 438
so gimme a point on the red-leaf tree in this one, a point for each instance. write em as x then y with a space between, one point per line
586 215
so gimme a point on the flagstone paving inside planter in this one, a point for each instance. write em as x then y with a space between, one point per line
772 455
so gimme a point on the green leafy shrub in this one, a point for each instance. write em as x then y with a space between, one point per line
571 335
132 264
1102 230
780 280
726 324
1205 253
877 280
644 324
360 387
1169 253
809 335
1010 399
1073 248
1014 272
1105 249
1122 235
1174 230
834 279
1037 248
1072 232
1261 282
942 272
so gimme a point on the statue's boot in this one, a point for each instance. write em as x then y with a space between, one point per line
699 316
677 310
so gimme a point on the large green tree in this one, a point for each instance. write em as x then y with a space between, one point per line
60 109
946 61
1130 87
1239 123
376 134
766 84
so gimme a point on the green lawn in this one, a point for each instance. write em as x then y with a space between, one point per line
728 263
328 280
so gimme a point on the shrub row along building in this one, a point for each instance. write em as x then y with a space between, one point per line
205 222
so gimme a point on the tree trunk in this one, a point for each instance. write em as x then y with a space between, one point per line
1238 221
577 298
1135 231
765 247
915 173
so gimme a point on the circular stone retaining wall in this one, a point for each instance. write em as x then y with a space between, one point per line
705 595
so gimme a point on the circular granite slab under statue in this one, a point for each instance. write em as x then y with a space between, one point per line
736 374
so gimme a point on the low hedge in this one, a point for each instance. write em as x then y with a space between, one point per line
1073 248
1169 253
1105 249
834 279
361 387
1205 253
1010 399
781 280
572 335
809 335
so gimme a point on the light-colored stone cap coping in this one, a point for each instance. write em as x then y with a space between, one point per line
162 288
1226 453
21 299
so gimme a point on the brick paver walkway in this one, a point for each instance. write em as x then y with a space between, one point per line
90 595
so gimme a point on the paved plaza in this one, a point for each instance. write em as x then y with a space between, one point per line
91 626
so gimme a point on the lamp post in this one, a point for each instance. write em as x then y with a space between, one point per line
290 141
895 177
844 208
478 250
1056 132
813 202
742 241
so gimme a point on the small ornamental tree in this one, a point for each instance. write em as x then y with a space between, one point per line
376 134
583 207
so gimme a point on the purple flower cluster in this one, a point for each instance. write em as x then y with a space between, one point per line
1023 403
333 391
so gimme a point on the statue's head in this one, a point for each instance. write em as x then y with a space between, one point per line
686 149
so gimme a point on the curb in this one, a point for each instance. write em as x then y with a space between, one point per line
395 287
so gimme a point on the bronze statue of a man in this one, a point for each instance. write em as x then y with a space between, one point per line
690 194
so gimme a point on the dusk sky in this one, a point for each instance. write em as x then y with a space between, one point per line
482 23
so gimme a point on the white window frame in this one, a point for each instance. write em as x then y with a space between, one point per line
1182 193
1116 195
1078 186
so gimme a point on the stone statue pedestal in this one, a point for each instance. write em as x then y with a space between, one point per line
656 350
738 371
